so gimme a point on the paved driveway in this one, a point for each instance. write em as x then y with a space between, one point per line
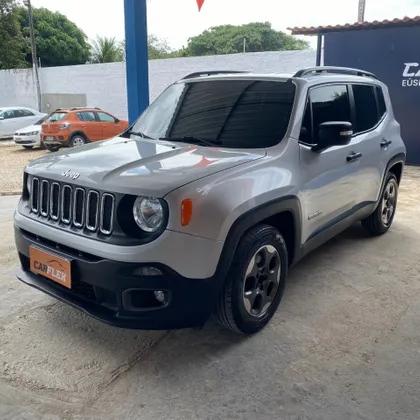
345 344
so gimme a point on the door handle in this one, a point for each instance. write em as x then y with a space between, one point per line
354 156
385 143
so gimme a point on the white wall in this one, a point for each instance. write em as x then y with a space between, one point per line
105 84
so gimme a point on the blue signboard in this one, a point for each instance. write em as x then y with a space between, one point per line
393 55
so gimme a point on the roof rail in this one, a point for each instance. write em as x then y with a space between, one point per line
211 73
337 70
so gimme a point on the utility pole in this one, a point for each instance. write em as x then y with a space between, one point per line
361 14
28 4
244 45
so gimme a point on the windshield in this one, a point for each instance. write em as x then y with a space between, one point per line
40 121
230 113
57 116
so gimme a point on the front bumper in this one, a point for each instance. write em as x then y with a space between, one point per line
27 140
112 292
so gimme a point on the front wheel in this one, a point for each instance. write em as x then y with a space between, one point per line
381 219
255 282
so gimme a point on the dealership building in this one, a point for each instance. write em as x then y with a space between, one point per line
390 50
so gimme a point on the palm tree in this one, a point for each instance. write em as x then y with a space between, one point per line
106 50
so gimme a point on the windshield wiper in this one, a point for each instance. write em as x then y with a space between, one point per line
192 140
140 134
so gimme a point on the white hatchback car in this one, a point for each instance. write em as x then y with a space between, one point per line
29 136
15 118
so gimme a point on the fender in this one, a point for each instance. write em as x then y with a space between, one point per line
77 132
398 158
252 218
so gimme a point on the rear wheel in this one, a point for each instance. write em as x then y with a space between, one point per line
28 147
381 219
52 147
255 283
77 140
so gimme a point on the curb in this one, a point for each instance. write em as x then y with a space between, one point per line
10 193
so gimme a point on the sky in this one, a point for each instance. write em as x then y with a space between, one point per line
177 20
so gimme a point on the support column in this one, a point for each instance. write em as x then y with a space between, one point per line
319 49
137 57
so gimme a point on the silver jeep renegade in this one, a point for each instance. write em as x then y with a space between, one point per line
200 208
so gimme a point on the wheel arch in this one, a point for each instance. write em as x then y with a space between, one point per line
284 214
396 166
77 132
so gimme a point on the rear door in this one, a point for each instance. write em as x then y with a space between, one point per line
90 125
28 117
369 125
111 126
330 190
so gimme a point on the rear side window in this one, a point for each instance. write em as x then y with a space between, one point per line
381 101
86 116
330 103
25 113
57 116
366 110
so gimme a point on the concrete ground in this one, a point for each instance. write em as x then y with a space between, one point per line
344 344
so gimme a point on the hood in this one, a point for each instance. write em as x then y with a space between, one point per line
138 166
29 129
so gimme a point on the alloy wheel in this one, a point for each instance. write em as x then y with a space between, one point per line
262 281
389 201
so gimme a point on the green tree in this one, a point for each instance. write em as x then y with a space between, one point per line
229 39
159 48
107 50
59 41
13 47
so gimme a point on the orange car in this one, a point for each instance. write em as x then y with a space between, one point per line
75 127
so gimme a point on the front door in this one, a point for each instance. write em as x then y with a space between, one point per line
110 126
330 190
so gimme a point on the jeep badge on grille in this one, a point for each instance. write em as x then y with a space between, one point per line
70 174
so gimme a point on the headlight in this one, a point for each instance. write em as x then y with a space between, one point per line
32 133
28 184
148 214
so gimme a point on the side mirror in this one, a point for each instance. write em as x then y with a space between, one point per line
117 120
333 133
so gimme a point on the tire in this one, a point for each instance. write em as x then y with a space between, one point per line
239 308
28 147
381 219
78 140
52 147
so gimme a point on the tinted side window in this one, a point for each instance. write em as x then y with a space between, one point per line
105 117
330 103
25 113
86 116
366 111
381 101
9 114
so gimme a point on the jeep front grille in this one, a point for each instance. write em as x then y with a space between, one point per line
73 205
